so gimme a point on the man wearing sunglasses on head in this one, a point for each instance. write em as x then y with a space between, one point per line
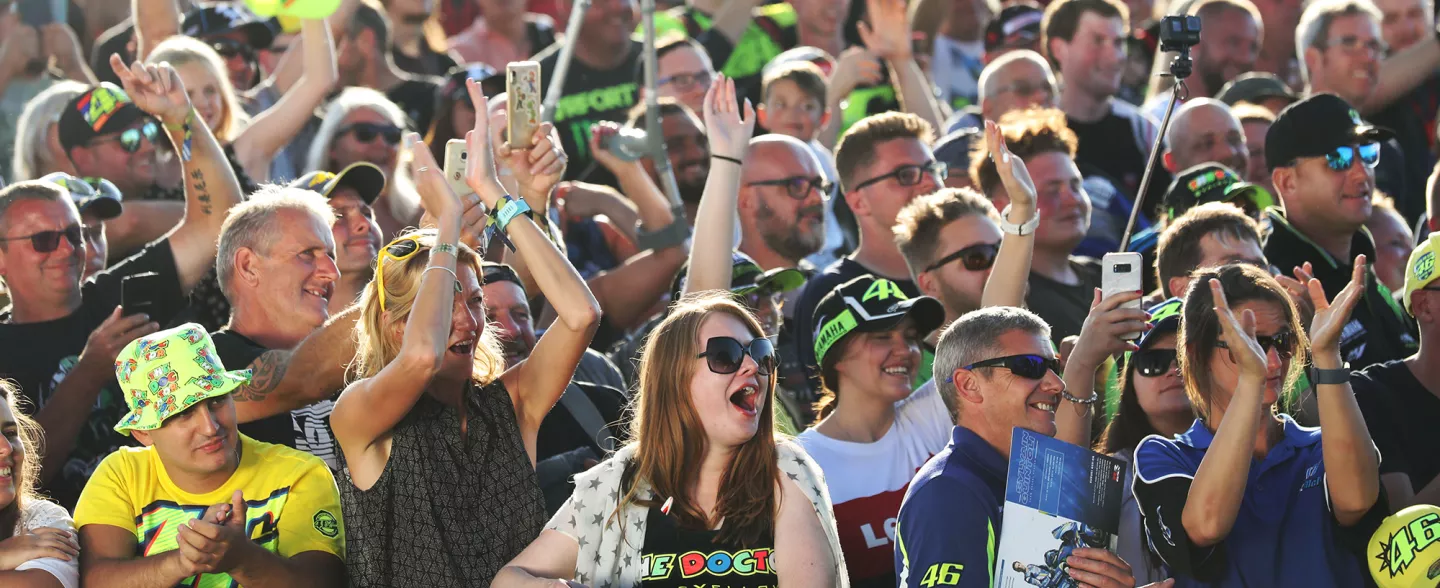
62 334
1322 158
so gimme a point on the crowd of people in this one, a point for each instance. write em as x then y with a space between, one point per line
260 331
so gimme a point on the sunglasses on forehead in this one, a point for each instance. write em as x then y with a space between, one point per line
1341 158
724 355
399 250
978 257
48 241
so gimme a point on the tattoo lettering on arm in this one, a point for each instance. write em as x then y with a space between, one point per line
266 373
202 193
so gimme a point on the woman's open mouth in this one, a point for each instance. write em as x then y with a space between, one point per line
746 399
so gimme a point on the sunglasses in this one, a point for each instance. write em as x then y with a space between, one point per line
228 48
1341 158
911 175
724 355
1282 343
1153 363
687 80
1028 366
978 257
130 138
399 250
798 187
367 132
48 241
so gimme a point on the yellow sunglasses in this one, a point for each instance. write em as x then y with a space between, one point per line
400 249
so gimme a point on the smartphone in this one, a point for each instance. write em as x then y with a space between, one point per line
136 293
455 155
38 13
1121 272
522 95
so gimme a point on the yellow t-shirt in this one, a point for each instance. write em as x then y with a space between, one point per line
291 502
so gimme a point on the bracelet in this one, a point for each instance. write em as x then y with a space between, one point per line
729 159
445 248
508 211
1019 230
185 143
1065 393
446 270
1340 375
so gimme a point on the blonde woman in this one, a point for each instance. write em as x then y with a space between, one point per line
37 140
439 438
361 124
253 144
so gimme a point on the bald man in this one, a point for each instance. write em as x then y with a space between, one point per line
1018 80
1205 131
782 207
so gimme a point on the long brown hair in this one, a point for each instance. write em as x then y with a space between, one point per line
376 348
670 439
1200 329
29 434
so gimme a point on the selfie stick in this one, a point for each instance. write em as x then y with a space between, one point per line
1180 68
655 137
562 63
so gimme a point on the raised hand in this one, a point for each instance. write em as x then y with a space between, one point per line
1013 173
728 131
599 132
888 32
154 88
583 200
435 193
1238 335
1107 328
480 172
538 168
856 67
1299 290
38 544
1331 315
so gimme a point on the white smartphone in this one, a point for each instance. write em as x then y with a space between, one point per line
522 95
1121 272
455 154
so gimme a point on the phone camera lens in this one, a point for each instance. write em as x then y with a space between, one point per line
1121 268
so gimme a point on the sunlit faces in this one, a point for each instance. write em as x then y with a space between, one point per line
882 200
1393 243
1206 133
1257 172
507 308
1232 45
353 145
199 442
1007 400
728 405
1162 394
1094 59
12 456
1018 85
1340 198
956 285
788 110
685 75
467 325
130 171
792 227
1270 320
689 153
295 274
1063 204
204 91
881 363
1405 22
1349 64
356 234
33 276
822 18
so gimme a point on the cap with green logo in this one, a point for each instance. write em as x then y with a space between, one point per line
1212 182
1420 271
167 372
868 304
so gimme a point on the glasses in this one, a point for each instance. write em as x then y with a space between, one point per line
399 250
724 355
911 175
1028 366
1026 88
979 257
367 132
1153 363
798 187
1281 343
230 48
1341 158
48 241
130 138
1353 44
687 80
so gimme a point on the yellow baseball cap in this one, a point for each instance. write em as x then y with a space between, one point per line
1420 270
1403 552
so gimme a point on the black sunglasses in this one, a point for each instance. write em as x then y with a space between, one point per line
1283 343
724 355
978 257
47 241
367 132
798 187
911 174
129 139
1153 363
228 48
1028 366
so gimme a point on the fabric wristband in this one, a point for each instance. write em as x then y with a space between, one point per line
508 211
189 134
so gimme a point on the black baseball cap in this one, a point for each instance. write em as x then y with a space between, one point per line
1212 182
868 304
1314 126
1255 86
95 195
746 277
499 272
101 110
210 19
1018 25
366 178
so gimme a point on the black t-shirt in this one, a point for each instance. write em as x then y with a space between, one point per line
416 97
114 41
39 355
1062 305
1401 415
673 557
1113 146
306 428
843 270
1408 155
427 63
590 96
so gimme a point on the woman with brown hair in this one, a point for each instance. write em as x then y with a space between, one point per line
439 437
1247 497
37 537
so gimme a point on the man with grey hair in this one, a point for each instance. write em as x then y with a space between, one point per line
1205 131
1017 80
276 265
1000 367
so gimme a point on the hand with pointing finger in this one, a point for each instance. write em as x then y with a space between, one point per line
154 88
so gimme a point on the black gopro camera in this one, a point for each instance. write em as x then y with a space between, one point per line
1178 33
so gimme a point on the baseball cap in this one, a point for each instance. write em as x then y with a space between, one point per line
868 304
1420 270
164 373
1166 319
499 272
209 19
101 198
746 277
1398 557
955 148
101 110
1016 25
366 178
1212 182
1314 126
1255 86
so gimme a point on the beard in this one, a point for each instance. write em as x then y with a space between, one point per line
796 240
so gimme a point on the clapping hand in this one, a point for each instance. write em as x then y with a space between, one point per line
1331 316
38 544
1013 173
436 195
888 32
1106 330
729 132
154 88
1299 291
480 172
1238 334
214 543
538 168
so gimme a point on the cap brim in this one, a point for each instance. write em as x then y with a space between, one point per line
258 35
101 206
1253 192
365 178
145 419
925 312
1169 324
1368 133
776 280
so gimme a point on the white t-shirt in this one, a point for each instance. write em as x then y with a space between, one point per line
43 513
867 481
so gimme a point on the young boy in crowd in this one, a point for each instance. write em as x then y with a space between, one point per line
793 99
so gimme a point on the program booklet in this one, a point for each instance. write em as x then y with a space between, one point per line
1058 498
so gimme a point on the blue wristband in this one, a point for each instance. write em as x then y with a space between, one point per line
508 211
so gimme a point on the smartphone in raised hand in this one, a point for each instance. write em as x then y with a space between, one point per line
1121 272
456 154
137 293
522 94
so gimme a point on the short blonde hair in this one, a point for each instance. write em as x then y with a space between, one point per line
180 50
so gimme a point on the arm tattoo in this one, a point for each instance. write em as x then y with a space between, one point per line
266 373
202 194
